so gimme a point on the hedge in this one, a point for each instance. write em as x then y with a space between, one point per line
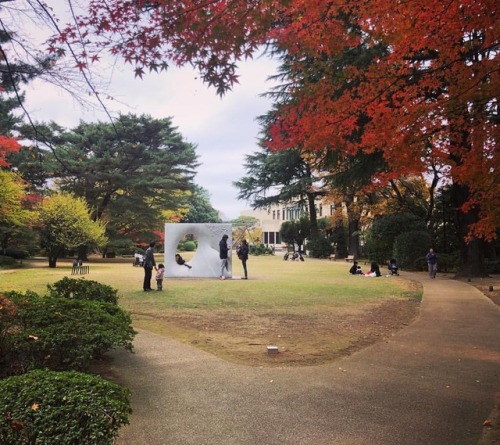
82 289
60 333
65 408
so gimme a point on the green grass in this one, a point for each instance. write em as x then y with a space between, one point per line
273 283
314 310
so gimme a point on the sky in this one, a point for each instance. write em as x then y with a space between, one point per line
223 129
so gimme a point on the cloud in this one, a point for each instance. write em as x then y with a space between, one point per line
224 129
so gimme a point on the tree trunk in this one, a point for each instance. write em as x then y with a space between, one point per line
52 261
353 230
54 254
352 227
82 253
472 252
313 216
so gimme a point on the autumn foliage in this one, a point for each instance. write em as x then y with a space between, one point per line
7 145
414 81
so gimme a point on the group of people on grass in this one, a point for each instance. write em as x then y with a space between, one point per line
373 272
295 256
430 258
242 251
149 263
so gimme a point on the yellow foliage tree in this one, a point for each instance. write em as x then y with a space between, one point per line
66 223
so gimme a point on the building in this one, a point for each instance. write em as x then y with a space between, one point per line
271 218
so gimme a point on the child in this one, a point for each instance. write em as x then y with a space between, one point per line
159 277
181 261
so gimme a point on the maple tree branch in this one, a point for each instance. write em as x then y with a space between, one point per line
28 116
75 58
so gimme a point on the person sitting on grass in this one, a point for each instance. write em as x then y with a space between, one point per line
374 270
354 268
181 261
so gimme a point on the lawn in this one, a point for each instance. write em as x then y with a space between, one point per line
314 311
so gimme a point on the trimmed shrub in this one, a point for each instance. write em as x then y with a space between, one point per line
8 312
17 254
384 231
65 408
62 334
82 289
7 261
259 249
445 262
189 246
320 247
409 247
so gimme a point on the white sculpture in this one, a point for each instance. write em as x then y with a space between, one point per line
205 262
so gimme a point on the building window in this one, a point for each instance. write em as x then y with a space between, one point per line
271 238
332 210
283 213
321 210
266 237
274 214
278 213
278 238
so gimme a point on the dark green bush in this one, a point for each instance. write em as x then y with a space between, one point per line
320 247
420 264
62 334
8 311
17 254
492 266
189 246
82 289
7 261
447 262
64 408
410 247
259 249
384 231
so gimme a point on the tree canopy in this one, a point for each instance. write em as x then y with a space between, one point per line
429 98
415 83
65 223
129 172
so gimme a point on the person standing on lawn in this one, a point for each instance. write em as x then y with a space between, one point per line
160 274
243 256
223 255
149 264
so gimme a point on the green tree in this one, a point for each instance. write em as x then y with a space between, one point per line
384 231
244 226
296 232
129 172
66 223
15 70
283 177
13 214
200 208
411 247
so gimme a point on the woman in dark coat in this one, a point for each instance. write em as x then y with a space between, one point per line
243 256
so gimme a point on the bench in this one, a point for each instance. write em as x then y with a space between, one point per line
332 257
350 258
80 270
